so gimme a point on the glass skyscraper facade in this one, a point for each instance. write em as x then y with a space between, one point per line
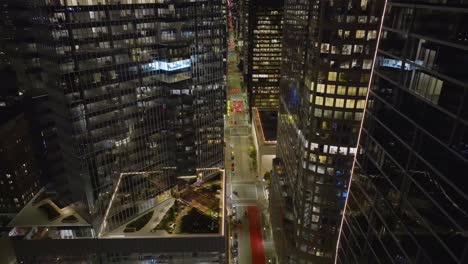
134 86
328 48
408 200
136 90
263 52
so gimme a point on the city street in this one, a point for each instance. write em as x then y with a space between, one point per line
246 199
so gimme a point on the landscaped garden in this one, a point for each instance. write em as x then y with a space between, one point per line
139 223
206 198
197 222
168 221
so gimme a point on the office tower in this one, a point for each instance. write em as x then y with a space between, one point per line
132 95
136 90
19 171
263 52
5 32
328 47
408 196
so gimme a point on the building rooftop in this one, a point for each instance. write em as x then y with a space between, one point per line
46 210
137 209
269 123
192 209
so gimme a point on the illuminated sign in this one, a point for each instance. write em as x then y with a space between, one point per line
169 66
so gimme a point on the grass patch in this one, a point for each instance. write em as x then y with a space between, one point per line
140 222
196 222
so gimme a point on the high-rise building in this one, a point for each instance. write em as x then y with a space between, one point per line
19 168
408 199
262 48
136 91
328 48
134 85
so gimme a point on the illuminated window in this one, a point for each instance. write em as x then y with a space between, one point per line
360 104
350 103
367 64
335 50
362 19
355 64
319 100
346 34
372 34
331 89
352 90
363 4
428 86
339 102
347 49
362 91
373 19
311 87
320 88
332 76
313 157
344 65
324 125
329 102
322 159
358 48
350 19
341 90
324 48
360 34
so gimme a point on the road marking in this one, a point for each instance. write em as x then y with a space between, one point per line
233 197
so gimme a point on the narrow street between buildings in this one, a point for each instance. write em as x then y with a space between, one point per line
250 238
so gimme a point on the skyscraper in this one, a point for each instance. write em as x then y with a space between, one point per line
328 48
136 89
408 199
131 84
19 168
262 45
